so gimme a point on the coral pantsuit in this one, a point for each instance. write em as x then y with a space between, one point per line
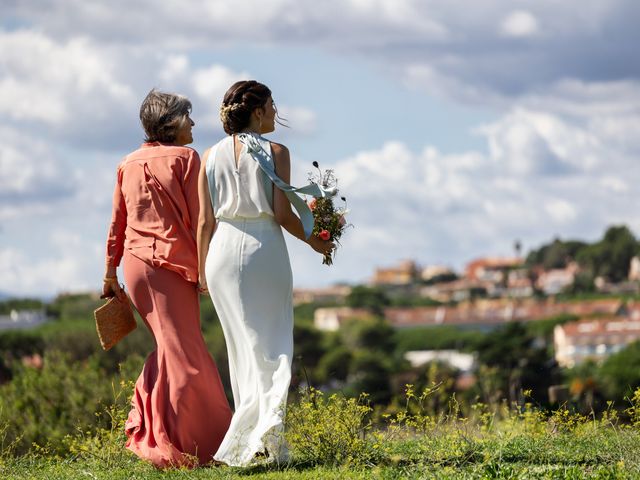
179 412
249 278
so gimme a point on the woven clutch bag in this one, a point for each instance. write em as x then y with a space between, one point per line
114 321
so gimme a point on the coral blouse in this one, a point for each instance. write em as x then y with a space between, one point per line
155 208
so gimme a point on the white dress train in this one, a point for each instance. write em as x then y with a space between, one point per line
249 278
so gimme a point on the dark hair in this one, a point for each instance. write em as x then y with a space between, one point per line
240 100
162 114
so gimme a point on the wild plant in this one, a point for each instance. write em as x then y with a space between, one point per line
634 410
7 444
331 430
104 444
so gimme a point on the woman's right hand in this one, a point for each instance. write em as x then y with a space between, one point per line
111 288
321 246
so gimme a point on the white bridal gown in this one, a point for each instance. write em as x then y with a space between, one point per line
249 278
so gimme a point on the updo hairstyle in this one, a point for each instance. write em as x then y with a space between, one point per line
162 114
240 100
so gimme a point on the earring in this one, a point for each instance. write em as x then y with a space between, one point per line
260 124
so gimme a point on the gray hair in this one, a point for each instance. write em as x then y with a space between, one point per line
162 114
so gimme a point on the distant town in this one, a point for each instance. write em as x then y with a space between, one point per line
493 291
594 289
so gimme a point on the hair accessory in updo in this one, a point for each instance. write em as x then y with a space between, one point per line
225 110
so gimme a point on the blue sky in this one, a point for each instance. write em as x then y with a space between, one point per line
454 127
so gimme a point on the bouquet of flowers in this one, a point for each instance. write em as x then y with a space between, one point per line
330 221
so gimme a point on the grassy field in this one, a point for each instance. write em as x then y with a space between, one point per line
603 455
342 438
524 471
64 420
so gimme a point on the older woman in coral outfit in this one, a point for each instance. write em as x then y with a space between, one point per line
179 411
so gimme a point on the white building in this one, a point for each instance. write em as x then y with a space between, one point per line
331 319
593 339
634 269
336 293
554 281
465 362
22 319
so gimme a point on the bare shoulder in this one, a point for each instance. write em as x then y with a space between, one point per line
279 149
280 153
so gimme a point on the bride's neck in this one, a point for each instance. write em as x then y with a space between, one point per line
254 126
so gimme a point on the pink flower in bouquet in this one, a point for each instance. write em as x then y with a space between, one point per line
312 203
324 235
342 220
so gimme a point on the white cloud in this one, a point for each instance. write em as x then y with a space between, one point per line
520 147
544 175
44 77
479 46
175 69
217 22
560 211
615 184
21 101
65 270
519 23
528 142
434 81
580 98
30 173
211 83
301 120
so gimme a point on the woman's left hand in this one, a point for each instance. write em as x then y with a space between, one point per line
203 289
321 246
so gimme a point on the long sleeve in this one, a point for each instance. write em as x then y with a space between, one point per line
115 238
155 209
191 189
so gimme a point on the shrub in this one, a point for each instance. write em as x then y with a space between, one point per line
44 406
370 372
334 365
105 444
620 373
436 338
330 430
20 304
634 410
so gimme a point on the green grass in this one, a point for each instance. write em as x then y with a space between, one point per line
339 438
519 458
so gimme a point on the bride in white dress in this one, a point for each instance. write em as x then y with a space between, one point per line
245 199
